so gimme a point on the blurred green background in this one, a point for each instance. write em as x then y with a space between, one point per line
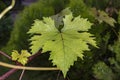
98 64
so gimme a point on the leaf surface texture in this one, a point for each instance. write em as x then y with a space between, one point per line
65 45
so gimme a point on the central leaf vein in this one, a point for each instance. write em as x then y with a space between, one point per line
63 46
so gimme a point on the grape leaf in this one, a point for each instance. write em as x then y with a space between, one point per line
66 44
22 58
102 16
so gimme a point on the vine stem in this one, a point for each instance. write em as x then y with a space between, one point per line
10 72
7 9
19 66
28 68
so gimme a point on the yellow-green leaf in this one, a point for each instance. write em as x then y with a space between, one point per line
65 45
22 58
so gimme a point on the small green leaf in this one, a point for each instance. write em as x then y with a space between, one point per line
66 44
22 58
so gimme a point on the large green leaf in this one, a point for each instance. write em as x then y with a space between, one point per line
66 44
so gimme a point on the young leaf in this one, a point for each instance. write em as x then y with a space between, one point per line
22 58
66 44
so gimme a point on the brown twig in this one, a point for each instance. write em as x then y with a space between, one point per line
4 54
7 74
21 76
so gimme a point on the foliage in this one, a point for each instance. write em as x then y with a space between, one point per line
114 70
97 3
115 60
79 7
49 38
19 41
102 16
5 30
116 50
102 71
116 3
5 27
23 24
2 5
119 17
22 57
106 35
